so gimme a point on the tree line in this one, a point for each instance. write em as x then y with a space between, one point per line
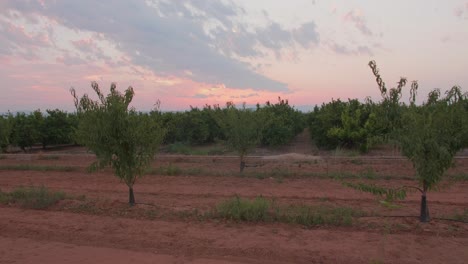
197 126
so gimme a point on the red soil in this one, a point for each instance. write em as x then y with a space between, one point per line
103 229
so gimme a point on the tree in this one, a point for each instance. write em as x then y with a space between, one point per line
429 135
242 128
5 131
120 137
283 123
57 128
27 129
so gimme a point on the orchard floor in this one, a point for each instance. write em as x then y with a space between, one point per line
95 224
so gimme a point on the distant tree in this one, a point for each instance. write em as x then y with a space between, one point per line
120 137
6 126
57 128
283 123
242 128
27 129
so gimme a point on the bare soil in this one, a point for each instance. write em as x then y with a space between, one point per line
95 224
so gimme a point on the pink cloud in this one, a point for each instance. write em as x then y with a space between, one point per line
359 21
461 10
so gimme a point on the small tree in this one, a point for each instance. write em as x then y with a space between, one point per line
242 128
119 136
429 136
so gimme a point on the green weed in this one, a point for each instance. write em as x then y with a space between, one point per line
240 209
32 197
261 209
29 167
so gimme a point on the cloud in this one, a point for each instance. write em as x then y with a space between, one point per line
461 11
70 60
358 20
17 41
359 50
173 37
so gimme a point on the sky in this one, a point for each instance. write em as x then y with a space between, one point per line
191 53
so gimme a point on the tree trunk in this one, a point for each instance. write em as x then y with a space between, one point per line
131 196
424 216
242 163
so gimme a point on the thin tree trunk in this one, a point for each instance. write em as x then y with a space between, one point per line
131 196
242 164
424 216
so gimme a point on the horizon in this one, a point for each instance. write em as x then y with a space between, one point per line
193 53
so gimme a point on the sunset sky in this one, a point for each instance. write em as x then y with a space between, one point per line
205 51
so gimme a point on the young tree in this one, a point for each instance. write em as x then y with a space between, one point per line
242 128
120 137
429 135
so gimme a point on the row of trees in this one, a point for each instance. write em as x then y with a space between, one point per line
280 124
25 130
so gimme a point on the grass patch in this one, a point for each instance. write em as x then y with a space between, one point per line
186 149
29 167
261 209
178 148
239 209
31 197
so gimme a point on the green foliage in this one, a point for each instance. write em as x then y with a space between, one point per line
32 197
390 194
433 133
283 123
6 128
261 209
57 128
191 127
120 137
239 209
350 124
429 135
27 129
31 167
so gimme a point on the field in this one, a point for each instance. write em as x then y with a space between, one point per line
176 218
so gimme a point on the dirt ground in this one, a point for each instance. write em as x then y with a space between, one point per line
95 225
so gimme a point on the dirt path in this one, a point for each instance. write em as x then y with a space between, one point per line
31 236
